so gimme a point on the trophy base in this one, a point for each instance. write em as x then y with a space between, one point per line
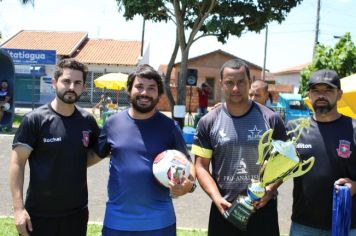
240 212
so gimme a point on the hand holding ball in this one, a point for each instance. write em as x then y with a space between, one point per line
170 165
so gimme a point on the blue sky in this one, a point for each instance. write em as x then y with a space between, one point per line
289 44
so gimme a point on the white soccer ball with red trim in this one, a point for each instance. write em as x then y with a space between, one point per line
170 165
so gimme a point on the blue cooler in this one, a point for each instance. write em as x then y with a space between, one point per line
188 134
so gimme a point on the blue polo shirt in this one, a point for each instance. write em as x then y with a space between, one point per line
136 201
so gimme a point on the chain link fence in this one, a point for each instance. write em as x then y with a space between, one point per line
92 94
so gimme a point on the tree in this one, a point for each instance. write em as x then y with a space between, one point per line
341 58
195 19
24 2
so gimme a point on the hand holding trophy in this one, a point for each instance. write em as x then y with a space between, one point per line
278 161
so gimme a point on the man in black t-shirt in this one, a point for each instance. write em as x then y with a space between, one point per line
227 138
54 139
331 139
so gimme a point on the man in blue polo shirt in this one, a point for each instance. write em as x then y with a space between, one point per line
137 204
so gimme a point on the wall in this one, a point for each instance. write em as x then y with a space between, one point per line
209 67
163 104
110 68
290 79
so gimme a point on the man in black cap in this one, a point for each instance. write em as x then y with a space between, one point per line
331 139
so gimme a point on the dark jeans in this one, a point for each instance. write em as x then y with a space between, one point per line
74 224
168 231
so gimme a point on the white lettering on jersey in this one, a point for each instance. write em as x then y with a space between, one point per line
239 178
52 140
303 145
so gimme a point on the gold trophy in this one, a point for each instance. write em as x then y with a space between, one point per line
278 161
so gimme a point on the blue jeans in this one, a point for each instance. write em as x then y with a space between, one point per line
303 230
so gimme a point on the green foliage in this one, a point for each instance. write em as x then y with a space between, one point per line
24 2
193 232
17 120
7 227
224 18
94 230
341 58
195 19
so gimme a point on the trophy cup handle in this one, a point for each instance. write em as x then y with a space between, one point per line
262 146
299 170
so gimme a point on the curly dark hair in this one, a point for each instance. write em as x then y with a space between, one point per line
70 63
147 72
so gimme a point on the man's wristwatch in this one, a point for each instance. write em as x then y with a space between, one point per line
193 187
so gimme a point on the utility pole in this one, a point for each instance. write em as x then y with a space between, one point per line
143 36
316 41
265 55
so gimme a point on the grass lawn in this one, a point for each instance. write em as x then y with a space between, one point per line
7 228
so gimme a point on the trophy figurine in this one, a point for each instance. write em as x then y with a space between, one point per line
278 161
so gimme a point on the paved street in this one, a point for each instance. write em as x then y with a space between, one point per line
192 210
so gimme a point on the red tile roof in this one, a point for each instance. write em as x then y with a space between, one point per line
281 88
109 51
250 64
292 70
65 43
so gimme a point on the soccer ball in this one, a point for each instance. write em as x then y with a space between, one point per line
170 165
5 107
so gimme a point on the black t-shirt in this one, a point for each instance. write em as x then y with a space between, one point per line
58 161
333 144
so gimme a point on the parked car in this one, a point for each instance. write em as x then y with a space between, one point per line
291 106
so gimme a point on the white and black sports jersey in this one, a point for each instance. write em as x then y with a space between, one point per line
231 143
58 159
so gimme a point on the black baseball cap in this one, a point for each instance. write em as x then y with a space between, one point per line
325 76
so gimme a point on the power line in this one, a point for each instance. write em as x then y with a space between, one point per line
292 32
339 11
339 26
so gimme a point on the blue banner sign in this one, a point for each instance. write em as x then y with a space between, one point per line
32 57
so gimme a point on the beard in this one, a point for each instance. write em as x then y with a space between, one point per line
143 109
73 98
323 109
